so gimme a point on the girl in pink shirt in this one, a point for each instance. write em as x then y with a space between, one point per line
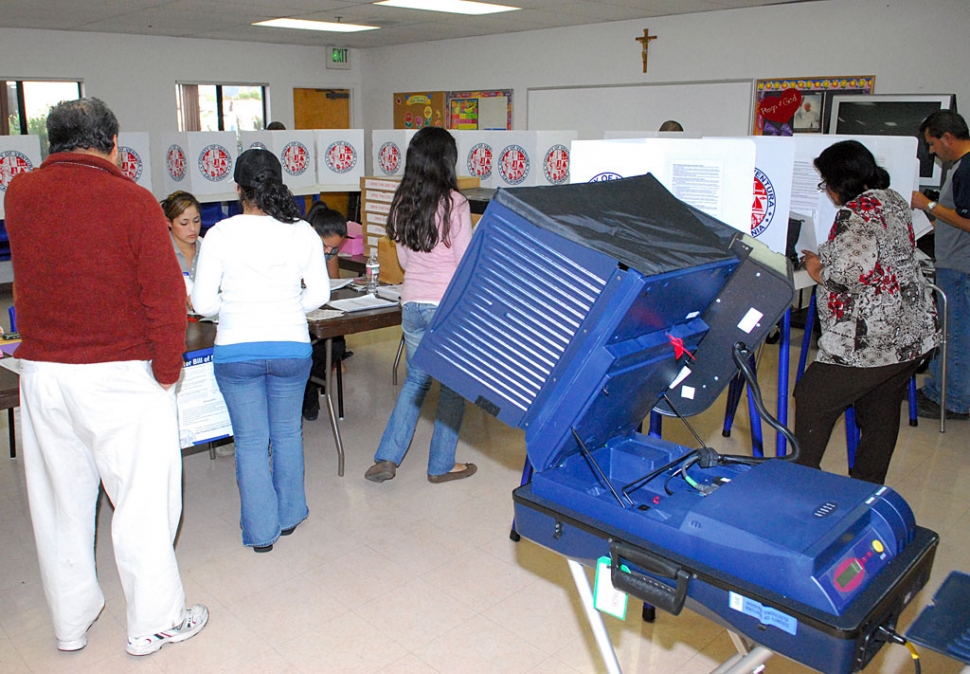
431 223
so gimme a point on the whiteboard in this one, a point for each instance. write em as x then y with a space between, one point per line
712 108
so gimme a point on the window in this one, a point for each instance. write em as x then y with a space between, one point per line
24 105
221 107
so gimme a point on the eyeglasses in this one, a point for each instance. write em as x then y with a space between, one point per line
331 254
822 186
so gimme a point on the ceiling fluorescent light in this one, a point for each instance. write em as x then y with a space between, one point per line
452 6
326 26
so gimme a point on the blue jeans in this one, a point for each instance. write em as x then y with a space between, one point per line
265 402
451 407
956 285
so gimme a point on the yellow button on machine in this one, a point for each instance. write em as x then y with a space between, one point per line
877 546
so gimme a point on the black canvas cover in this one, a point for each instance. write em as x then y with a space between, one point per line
633 220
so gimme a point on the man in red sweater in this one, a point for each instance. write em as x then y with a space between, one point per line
101 309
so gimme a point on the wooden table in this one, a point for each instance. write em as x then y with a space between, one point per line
202 336
348 324
356 264
10 399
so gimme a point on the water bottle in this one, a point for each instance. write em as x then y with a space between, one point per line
373 272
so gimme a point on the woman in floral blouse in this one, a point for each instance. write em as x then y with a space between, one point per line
876 311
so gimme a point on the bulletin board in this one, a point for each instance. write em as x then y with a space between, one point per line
417 109
785 107
480 110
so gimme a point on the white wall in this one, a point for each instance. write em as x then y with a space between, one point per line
136 75
911 47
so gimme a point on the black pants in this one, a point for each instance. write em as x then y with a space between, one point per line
822 396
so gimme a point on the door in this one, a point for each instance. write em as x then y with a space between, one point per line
326 109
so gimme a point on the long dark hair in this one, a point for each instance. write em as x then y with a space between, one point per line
849 169
429 179
260 179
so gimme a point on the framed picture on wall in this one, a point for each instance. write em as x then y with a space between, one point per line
785 107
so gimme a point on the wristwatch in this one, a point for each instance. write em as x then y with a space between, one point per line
930 206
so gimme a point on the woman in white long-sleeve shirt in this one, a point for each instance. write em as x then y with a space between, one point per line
261 272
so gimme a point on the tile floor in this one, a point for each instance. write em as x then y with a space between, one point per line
408 577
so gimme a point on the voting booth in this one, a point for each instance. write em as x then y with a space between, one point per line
389 151
199 162
135 157
340 156
578 309
296 151
18 154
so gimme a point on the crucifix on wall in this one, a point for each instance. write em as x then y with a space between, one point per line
645 41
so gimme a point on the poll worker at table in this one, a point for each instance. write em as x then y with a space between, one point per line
875 308
948 138
262 271
430 221
184 214
331 226
101 309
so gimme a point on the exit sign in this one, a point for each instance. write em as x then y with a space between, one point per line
338 57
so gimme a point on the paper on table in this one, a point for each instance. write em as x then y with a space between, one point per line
12 364
324 314
806 237
361 303
921 223
338 283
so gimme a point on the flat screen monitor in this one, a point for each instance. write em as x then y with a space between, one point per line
892 116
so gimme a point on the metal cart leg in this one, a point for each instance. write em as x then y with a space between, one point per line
594 617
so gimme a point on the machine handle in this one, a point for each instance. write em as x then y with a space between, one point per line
645 588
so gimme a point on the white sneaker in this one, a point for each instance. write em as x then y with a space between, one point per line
72 645
195 619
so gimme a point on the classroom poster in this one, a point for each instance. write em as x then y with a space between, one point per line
489 110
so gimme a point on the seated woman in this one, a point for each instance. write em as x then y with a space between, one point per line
331 226
875 308
184 214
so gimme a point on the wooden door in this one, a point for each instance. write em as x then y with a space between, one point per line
321 108
326 109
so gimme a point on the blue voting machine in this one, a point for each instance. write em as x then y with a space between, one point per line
579 309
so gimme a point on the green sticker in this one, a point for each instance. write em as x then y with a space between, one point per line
607 598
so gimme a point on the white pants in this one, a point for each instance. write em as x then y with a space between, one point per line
110 424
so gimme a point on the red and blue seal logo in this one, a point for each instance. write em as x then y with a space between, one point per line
604 176
215 163
389 158
12 164
340 157
479 161
175 163
763 207
555 165
130 162
513 164
295 158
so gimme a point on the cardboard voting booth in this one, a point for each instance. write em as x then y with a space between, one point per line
200 162
713 175
296 151
389 151
340 156
135 157
18 154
